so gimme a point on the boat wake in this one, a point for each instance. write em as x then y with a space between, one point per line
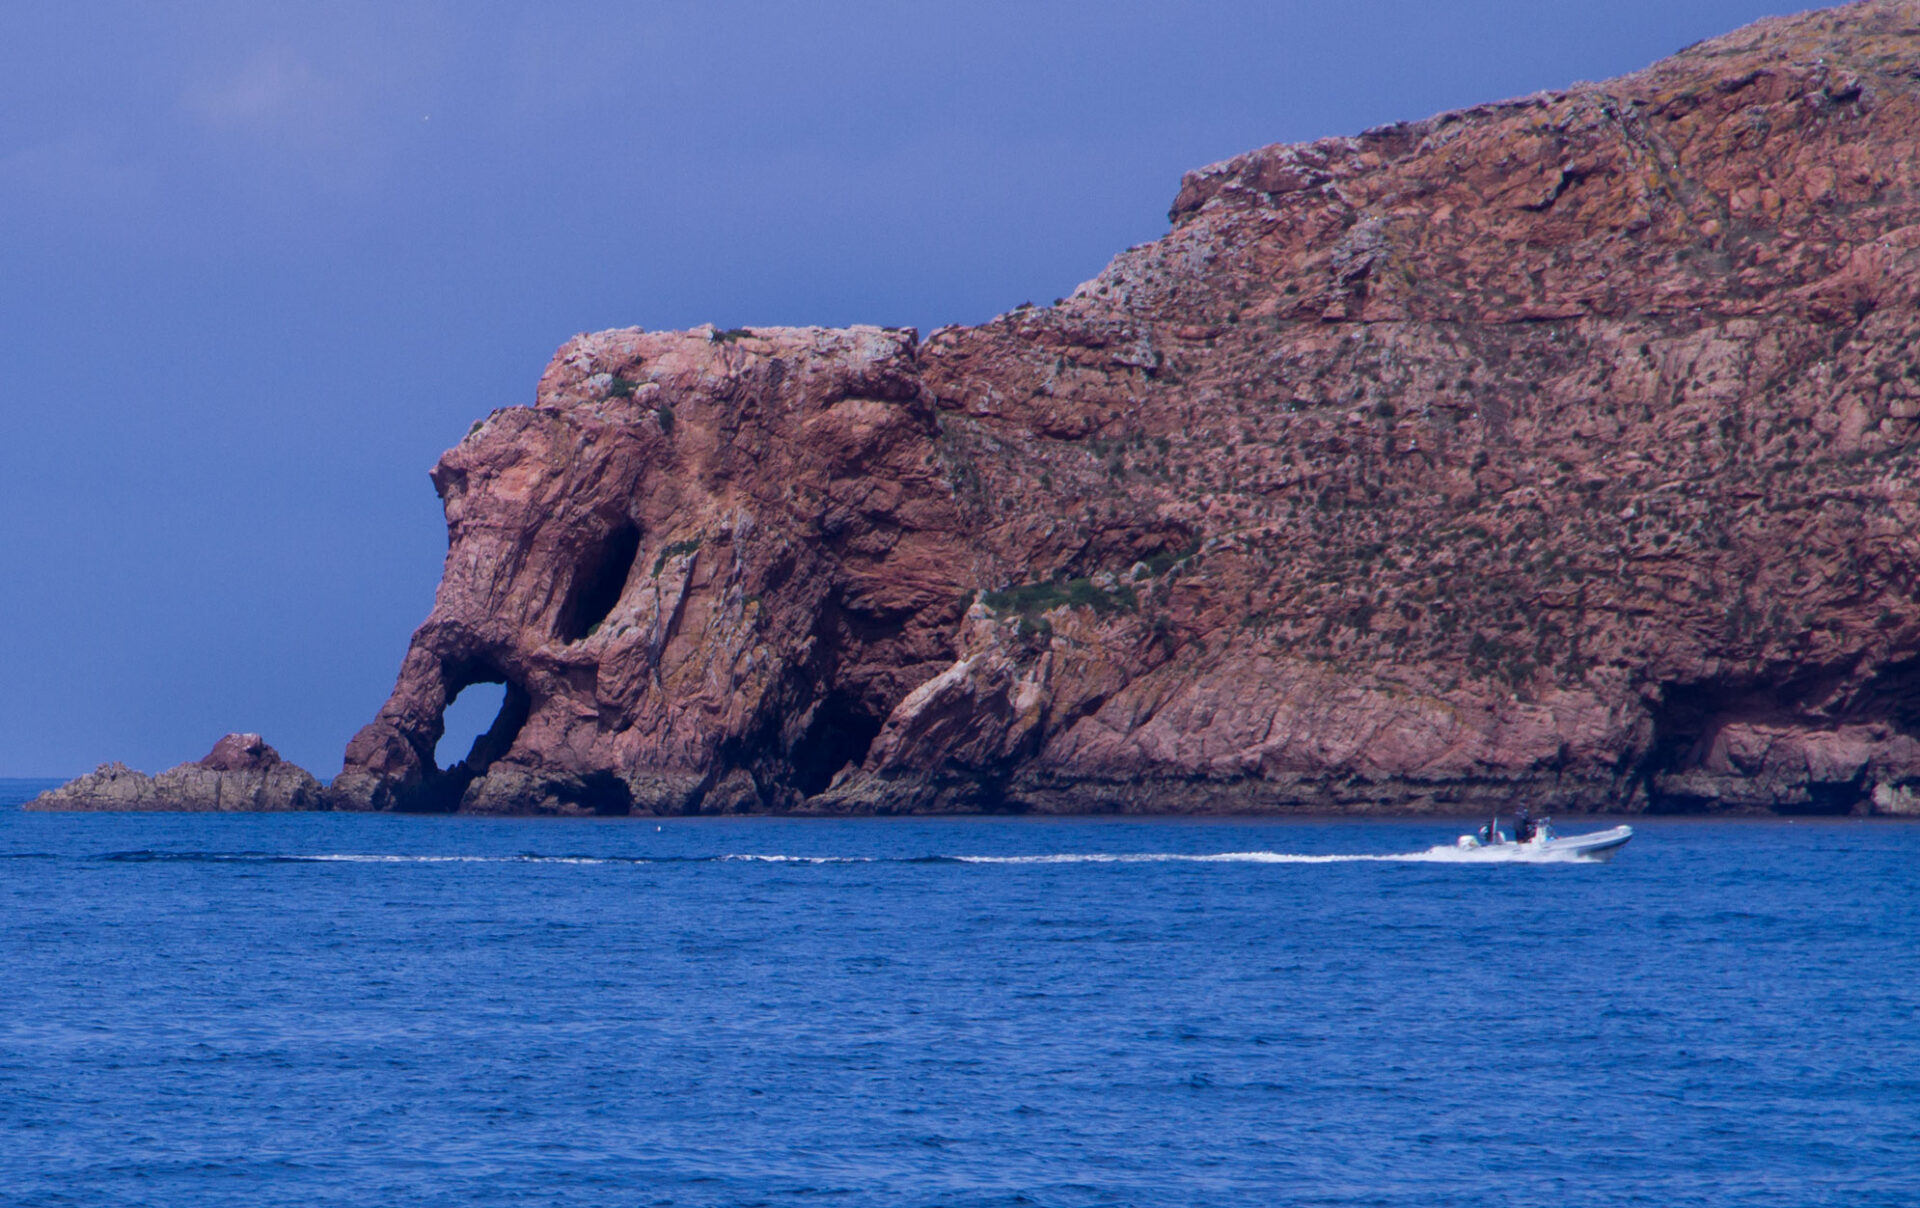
1507 854
1449 854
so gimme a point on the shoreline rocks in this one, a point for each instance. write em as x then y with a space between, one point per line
241 774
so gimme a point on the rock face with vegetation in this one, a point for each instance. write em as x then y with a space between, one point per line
1558 450
241 773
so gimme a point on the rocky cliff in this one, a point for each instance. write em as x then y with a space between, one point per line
1560 449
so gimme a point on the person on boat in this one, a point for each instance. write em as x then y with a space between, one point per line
1523 827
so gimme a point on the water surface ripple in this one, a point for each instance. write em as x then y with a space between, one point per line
347 1010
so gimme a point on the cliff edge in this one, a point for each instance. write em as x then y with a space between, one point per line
1557 450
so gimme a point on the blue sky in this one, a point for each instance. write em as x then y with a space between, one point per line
263 262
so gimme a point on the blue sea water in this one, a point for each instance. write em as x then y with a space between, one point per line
365 1010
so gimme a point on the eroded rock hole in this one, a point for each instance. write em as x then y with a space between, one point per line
1758 745
1681 722
1833 798
470 694
601 793
469 716
492 746
598 582
841 731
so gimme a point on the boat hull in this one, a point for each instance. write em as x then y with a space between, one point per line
1600 845
1596 846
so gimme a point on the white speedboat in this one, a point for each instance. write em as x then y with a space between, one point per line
1596 845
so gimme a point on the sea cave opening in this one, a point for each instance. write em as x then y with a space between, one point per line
841 731
599 580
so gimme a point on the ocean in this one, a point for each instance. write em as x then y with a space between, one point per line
354 1010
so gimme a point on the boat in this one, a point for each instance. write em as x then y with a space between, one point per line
1545 842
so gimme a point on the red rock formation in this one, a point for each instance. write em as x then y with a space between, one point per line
241 753
241 773
1559 449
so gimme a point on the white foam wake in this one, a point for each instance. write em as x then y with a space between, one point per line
1505 854
1509 854
368 858
801 859
348 858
